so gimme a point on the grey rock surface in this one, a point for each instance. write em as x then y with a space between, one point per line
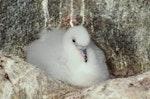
19 22
20 80
120 28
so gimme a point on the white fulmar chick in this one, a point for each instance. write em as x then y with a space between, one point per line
69 56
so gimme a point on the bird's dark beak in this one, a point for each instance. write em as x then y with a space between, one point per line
84 51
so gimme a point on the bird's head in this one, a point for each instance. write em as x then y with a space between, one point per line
79 38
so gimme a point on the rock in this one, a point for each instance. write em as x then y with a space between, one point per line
20 80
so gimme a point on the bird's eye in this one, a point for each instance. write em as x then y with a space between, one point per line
73 40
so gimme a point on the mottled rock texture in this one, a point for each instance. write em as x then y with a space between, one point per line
20 80
119 27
